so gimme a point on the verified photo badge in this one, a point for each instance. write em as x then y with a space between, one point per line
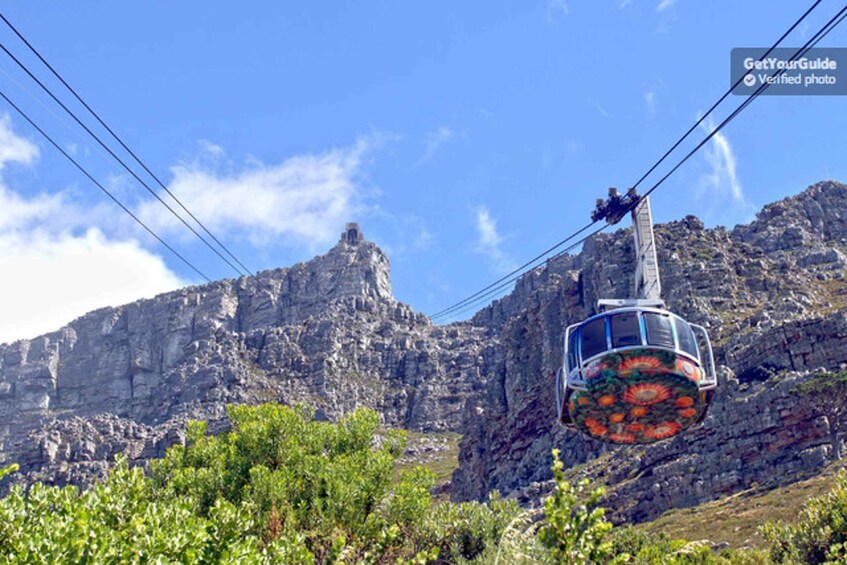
788 71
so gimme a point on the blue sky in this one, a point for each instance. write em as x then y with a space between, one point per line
463 137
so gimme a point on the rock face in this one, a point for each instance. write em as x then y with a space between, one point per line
773 295
328 333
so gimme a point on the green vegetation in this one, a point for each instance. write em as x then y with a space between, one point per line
820 536
283 488
577 527
577 532
278 488
735 519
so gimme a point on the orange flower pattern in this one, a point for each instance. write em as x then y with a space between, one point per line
643 364
663 430
639 396
645 394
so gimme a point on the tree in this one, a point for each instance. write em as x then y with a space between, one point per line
826 393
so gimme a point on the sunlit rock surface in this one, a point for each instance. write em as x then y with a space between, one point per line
329 334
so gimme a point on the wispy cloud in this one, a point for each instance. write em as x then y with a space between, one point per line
803 29
623 3
212 149
664 5
402 236
555 9
424 239
723 174
600 109
305 199
650 100
434 141
489 242
15 149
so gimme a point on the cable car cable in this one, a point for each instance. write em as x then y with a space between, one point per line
120 141
813 41
104 189
504 277
468 307
722 98
118 159
470 299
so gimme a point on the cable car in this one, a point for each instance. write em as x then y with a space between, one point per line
635 373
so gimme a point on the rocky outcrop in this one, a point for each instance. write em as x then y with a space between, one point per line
327 333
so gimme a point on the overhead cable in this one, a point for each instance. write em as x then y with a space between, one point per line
101 187
120 141
492 289
118 159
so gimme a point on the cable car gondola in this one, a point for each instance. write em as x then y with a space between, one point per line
635 372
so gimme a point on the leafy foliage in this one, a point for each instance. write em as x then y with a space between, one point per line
820 536
283 488
576 527
278 488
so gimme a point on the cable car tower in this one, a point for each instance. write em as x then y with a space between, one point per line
635 372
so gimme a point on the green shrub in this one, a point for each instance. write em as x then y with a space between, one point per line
463 531
279 487
820 534
577 526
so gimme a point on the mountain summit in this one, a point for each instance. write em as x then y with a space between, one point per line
327 333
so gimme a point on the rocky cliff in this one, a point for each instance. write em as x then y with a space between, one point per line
328 333
773 295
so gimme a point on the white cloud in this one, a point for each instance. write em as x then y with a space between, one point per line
664 5
434 141
424 239
650 100
489 241
50 279
17 212
600 109
556 8
14 149
623 3
803 30
52 273
213 149
306 197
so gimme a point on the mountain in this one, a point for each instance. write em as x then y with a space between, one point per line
328 333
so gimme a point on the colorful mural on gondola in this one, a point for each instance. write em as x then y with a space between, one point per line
638 396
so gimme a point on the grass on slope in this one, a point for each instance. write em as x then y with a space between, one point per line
439 452
734 519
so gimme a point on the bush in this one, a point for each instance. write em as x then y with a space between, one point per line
278 488
465 530
819 536
577 525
